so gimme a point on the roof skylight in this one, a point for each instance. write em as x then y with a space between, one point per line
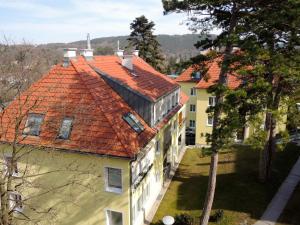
133 122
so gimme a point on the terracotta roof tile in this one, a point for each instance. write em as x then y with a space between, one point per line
211 77
79 92
148 81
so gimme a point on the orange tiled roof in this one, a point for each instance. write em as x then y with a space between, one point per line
147 81
77 91
186 76
211 76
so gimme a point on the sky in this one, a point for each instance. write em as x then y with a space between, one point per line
45 21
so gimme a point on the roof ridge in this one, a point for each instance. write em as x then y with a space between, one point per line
99 106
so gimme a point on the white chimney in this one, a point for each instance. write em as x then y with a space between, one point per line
119 51
135 52
127 62
88 53
69 53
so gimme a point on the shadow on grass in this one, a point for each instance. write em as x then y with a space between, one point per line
237 189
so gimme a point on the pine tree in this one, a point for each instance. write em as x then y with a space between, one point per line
204 15
267 32
143 39
272 61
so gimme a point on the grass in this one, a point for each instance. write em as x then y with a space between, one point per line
238 191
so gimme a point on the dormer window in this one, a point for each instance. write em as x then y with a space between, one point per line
33 124
173 101
196 75
133 122
65 129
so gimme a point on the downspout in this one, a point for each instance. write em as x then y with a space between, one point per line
130 192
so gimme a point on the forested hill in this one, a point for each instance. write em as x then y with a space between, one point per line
172 45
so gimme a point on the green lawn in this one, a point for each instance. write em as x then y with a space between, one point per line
238 191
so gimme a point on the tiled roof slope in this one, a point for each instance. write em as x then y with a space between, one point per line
146 80
76 91
186 76
211 77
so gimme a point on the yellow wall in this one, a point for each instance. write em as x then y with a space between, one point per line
154 177
82 197
201 121
83 200
186 88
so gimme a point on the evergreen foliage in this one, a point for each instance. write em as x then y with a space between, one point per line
143 39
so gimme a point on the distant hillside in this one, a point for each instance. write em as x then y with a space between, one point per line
172 45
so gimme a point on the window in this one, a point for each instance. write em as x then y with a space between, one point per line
65 129
133 122
176 98
175 125
196 75
169 105
192 123
192 108
173 101
114 218
113 180
210 121
140 203
179 140
33 124
193 91
157 147
10 166
15 202
212 101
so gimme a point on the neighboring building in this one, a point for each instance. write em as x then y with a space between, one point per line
198 122
113 117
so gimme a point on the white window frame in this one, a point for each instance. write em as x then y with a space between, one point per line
212 119
190 124
157 143
192 107
60 133
214 100
112 189
193 92
27 130
12 203
173 101
5 166
107 216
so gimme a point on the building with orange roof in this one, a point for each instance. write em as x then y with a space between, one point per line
96 138
194 83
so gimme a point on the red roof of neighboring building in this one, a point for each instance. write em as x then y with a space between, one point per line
146 80
186 76
77 91
210 78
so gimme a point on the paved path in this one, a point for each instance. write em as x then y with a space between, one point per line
162 193
281 198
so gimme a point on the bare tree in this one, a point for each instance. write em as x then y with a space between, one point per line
27 182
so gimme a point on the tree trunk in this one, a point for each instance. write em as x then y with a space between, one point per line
267 155
210 188
264 156
217 114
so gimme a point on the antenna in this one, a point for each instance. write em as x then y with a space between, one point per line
88 40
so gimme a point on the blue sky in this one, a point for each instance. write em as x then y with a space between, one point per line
43 21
